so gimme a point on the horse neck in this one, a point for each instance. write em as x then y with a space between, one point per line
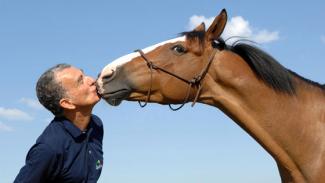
275 120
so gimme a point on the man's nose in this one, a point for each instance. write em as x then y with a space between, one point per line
90 80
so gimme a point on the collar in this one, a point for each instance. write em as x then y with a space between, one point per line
73 130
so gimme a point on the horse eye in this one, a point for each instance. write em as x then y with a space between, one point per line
179 49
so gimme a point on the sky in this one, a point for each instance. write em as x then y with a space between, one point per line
151 144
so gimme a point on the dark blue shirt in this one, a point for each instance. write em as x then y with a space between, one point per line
63 153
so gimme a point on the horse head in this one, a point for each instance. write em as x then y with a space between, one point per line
165 72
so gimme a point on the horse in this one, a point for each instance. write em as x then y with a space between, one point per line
283 111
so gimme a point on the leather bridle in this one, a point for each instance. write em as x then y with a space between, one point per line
195 81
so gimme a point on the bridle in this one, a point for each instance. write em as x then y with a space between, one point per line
195 81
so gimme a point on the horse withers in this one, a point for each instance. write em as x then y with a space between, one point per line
281 110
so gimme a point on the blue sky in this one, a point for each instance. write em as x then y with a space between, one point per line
153 144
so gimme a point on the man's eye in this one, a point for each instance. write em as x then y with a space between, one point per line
80 80
179 49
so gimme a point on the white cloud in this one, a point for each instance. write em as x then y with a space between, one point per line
322 38
14 114
6 128
264 36
237 26
196 20
31 103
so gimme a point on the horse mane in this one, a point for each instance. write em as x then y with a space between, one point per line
322 86
268 69
265 67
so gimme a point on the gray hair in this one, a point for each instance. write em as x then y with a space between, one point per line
50 91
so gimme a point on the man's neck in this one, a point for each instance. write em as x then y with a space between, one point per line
80 118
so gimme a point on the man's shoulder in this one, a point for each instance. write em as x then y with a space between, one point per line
54 135
97 120
97 126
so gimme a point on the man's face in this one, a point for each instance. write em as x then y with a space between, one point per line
81 89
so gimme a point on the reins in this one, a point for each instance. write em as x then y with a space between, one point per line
195 81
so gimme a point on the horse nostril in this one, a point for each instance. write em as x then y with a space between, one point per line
108 76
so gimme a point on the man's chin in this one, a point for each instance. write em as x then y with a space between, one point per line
97 100
94 101
97 97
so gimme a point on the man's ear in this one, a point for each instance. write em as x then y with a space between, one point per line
67 104
217 26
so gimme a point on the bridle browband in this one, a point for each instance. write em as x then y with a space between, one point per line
195 81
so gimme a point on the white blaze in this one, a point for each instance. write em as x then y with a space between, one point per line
110 68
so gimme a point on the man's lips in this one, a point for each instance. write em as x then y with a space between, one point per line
94 90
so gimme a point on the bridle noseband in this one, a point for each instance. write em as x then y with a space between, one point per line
195 81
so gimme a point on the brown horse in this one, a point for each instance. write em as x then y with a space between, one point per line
281 110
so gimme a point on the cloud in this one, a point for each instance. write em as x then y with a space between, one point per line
265 36
14 114
237 26
31 103
5 128
322 38
196 20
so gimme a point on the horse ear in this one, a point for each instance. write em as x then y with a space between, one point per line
217 26
200 28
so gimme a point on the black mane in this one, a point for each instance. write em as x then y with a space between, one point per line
269 70
266 68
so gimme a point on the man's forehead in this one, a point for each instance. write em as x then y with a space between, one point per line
70 72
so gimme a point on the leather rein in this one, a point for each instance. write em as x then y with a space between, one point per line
195 81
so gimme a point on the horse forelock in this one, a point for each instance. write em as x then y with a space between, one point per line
193 37
199 35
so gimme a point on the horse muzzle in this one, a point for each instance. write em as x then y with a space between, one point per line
113 88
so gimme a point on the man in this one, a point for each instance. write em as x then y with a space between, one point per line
70 148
